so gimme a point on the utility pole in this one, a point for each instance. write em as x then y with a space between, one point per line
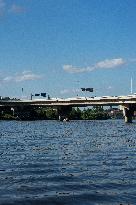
22 92
32 96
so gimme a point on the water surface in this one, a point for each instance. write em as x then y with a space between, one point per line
67 163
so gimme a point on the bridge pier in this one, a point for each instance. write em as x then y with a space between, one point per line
63 112
128 112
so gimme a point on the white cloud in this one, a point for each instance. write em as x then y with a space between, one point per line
8 79
72 69
6 8
110 63
109 87
27 76
26 72
24 76
66 91
16 9
2 4
106 64
2 7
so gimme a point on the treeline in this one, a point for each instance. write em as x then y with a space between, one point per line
95 113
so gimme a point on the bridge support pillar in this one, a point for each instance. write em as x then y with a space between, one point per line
63 112
128 112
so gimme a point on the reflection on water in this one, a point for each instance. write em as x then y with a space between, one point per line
77 162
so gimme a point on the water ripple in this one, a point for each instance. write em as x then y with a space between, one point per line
79 162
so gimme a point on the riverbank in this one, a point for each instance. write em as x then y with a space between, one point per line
96 113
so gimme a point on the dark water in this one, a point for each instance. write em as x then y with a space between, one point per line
78 162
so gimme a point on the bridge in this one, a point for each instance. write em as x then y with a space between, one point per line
64 106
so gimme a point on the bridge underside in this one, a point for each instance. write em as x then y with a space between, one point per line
64 109
63 112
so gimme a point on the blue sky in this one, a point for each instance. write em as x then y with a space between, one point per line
59 46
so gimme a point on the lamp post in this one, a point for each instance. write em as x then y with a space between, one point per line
32 96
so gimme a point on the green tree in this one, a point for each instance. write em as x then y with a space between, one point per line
51 114
75 114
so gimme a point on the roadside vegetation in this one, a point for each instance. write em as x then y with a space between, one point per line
95 113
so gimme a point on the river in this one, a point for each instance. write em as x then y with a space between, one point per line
67 163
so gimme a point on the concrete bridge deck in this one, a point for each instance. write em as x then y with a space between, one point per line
78 101
127 103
